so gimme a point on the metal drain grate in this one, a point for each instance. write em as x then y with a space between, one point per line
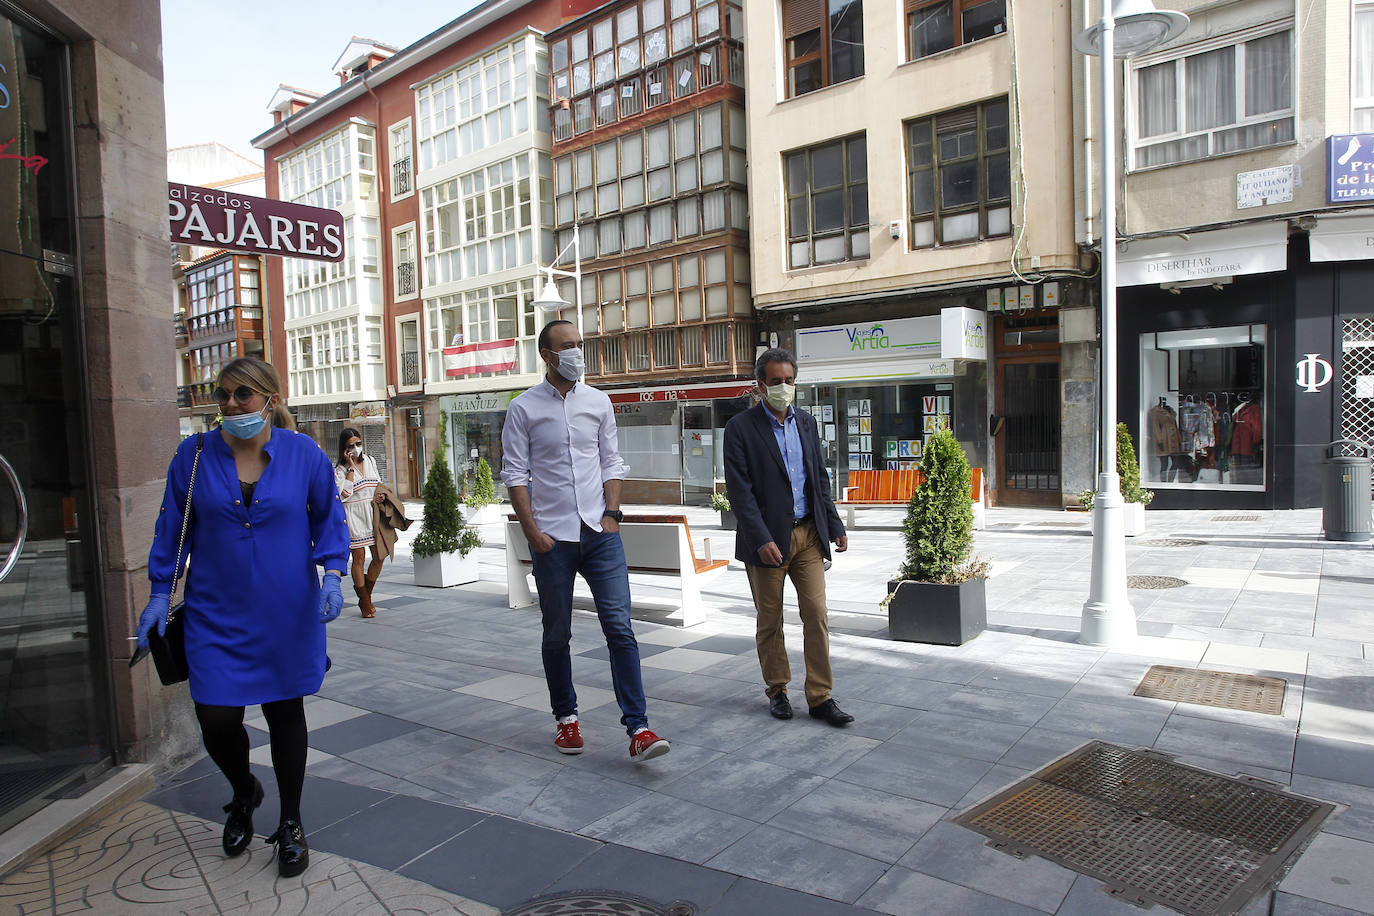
1174 542
598 903
1153 830
1224 689
1235 518
1154 582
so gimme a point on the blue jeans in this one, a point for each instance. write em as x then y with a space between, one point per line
600 557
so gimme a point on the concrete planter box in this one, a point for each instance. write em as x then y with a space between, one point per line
727 521
446 569
487 515
929 612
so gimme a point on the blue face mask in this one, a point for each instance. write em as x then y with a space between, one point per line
246 425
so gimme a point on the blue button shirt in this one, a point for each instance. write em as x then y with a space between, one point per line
789 443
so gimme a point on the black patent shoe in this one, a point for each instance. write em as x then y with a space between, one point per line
831 713
238 828
780 706
293 855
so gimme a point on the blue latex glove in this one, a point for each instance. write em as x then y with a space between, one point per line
331 597
154 615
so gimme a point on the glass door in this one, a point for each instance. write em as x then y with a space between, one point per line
54 706
699 444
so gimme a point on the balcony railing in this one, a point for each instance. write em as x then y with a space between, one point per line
179 331
197 394
405 279
221 323
410 369
400 177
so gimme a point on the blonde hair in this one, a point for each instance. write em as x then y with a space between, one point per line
262 378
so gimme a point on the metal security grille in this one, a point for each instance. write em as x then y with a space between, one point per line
1153 830
1357 378
1032 426
374 444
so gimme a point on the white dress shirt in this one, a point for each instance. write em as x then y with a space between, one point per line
564 450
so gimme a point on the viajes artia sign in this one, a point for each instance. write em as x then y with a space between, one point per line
224 219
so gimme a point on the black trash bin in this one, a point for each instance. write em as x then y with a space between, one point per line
1345 491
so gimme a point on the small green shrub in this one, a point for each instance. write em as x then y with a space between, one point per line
1127 468
442 530
938 530
483 487
720 502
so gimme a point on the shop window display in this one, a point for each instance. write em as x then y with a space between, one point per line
1203 408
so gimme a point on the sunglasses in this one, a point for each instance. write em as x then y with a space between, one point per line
242 394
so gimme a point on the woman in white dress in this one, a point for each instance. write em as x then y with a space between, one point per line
357 477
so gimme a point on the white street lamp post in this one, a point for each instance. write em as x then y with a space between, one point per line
549 300
1127 28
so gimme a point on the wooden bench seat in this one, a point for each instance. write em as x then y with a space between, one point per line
656 545
890 489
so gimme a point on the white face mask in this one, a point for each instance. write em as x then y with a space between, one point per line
357 451
779 397
570 363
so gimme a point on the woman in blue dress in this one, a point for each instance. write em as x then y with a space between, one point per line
265 514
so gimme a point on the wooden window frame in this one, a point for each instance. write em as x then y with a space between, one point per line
799 19
938 212
957 9
846 186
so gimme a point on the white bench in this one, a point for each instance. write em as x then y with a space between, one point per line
658 545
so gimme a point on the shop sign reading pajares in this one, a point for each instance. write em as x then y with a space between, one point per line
225 219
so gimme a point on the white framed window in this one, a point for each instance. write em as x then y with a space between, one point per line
478 105
503 311
321 174
479 222
1362 69
1213 98
408 371
406 277
402 160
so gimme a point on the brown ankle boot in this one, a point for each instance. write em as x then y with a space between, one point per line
365 601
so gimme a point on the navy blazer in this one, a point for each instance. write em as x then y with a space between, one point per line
760 492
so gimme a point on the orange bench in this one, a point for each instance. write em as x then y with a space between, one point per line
878 489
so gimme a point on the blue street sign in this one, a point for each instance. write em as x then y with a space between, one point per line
1349 168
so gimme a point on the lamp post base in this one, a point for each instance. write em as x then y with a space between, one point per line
1108 618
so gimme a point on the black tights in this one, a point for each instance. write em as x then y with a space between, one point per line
221 727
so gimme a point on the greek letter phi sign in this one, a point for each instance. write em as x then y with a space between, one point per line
1313 373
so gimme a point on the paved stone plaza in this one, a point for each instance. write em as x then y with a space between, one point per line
434 786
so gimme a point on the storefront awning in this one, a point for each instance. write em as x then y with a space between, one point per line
1342 238
1256 249
681 393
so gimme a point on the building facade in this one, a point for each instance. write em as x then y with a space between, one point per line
88 415
649 172
437 156
911 194
1245 339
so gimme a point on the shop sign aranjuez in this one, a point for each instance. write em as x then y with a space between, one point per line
224 219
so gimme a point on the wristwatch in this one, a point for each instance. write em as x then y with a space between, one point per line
615 514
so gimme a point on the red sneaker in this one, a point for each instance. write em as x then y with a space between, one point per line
645 745
568 739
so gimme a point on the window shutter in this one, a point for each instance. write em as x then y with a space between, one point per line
955 121
801 16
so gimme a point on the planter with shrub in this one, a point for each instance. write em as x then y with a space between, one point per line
1128 469
940 594
721 503
481 499
443 551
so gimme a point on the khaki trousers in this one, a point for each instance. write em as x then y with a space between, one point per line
805 568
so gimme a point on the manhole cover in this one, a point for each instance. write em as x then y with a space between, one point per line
1235 518
1153 830
1214 688
1174 542
598 903
1154 582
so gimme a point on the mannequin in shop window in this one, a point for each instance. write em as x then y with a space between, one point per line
1247 440
1164 434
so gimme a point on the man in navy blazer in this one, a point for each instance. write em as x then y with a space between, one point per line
786 520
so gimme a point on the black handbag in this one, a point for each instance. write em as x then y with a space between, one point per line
169 650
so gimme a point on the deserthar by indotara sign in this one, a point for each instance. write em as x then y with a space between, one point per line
214 218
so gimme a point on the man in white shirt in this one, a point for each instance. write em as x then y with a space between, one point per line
562 467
